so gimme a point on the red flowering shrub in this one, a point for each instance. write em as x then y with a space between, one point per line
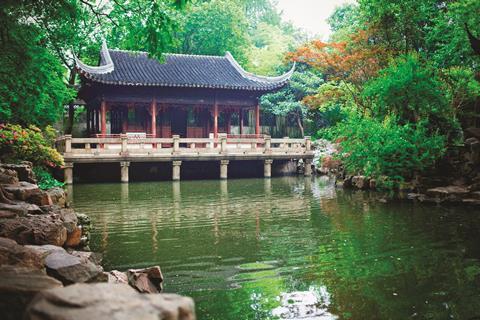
30 144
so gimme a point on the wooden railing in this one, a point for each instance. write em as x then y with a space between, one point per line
124 145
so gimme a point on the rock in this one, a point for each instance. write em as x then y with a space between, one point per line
66 215
103 301
74 238
116 276
8 176
45 249
415 196
474 187
14 254
21 208
18 287
83 219
148 280
40 198
472 141
475 195
69 268
347 182
23 190
58 196
35 229
24 171
360 182
473 202
372 184
472 132
4 214
447 191
94 257
69 218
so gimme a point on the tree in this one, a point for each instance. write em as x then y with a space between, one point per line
344 19
32 90
143 25
288 101
214 27
354 61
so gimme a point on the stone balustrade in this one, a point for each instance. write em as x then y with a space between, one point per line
125 149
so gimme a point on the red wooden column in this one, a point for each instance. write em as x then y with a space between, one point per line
97 121
89 113
103 109
257 119
124 120
240 117
215 120
154 118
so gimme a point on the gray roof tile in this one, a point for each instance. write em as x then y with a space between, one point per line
131 68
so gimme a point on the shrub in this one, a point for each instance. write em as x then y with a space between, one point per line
411 90
385 149
31 144
45 180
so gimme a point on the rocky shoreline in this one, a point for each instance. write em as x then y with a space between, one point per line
455 180
48 271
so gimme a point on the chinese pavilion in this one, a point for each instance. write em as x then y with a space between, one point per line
186 95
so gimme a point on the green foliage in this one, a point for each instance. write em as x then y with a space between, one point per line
385 150
334 101
270 44
412 92
343 20
460 87
32 90
31 144
144 25
288 101
214 27
45 180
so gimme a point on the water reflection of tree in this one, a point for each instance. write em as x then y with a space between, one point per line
386 261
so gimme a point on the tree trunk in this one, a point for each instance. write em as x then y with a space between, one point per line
71 106
299 123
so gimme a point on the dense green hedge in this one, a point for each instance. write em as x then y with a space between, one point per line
387 151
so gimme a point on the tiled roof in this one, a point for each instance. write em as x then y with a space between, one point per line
131 68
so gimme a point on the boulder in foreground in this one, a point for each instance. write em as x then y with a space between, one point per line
18 286
103 301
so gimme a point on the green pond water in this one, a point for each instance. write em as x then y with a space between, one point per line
290 248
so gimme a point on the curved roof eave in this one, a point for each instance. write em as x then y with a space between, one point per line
107 67
251 76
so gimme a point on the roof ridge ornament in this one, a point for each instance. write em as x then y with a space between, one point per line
107 67
251 76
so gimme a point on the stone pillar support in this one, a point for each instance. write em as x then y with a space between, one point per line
223 143
176 144
176 170
224 169
307 172
124 139
308 143
68 172
267 168
124 170
268 144
68 143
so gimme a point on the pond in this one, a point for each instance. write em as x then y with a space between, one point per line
290 248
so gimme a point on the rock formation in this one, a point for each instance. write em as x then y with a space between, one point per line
40 238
